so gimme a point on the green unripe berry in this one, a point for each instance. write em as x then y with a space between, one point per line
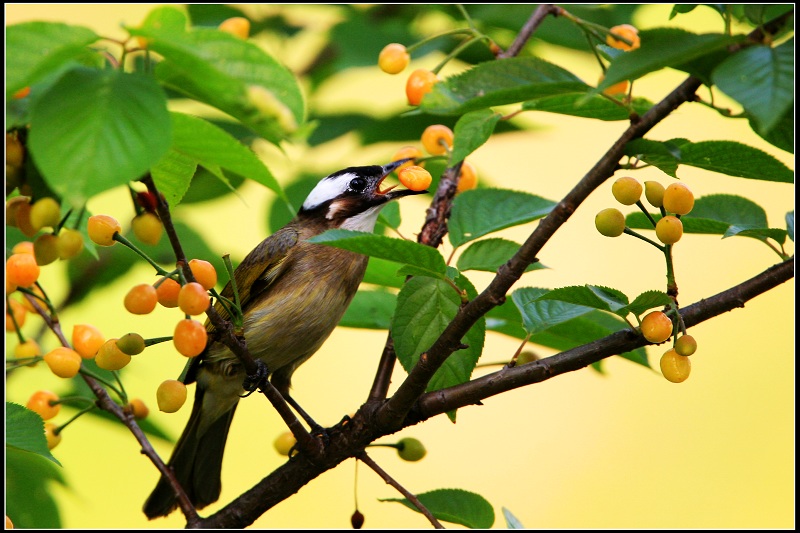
675 367
678 199
45 249
656 327
627 190
654 192
131 344
410 449
610 222
686 345
669 229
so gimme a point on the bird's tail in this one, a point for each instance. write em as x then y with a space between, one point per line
196 462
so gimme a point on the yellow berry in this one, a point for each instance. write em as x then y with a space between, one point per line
610 222
284 443
654 192
394 58
24 247
669 229
87 340
415 178
141 299
467 178
627 190
63 362
190 337
147 227
70 243
193 299
15 152
678 199
686 345
40 402
626 31
437 139
101 229
110 357
419 83
656 327
53 438
45 213
171 395
27 350
675 367
237 26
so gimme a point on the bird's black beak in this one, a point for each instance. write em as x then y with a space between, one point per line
391 193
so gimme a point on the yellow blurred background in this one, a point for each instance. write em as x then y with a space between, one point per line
622 450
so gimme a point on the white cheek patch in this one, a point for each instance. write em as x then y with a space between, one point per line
327 189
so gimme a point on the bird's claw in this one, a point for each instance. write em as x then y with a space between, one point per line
252 382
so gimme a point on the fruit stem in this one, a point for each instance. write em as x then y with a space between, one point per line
457 50
426 40
10 313
156 340
672 286
80 413
122 240
641 206
632 233
94 376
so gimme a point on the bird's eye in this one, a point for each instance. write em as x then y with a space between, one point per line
358 184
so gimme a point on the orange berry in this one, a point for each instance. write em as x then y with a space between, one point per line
168 292
9 523
22 218
101 229
141 299
617 89
415 178
39 402
193 299
18 312
147 227
468 178
87 340
138 409
686 345
24 247
45 249
63 362
626 31
656 327
437 139
236 26
669 229
407 152
678 199
675 367
627 190
394 58
70 243
110 357
53 438
190 337
22 93
170 395
419 83
204 272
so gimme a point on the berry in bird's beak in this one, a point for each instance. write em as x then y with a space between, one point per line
388 169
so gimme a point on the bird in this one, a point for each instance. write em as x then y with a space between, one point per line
292 294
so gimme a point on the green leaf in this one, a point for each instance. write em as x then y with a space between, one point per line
424 258
735 159
782 135
494 83
370 310
648 300
471 132
231 74
165 19
200 141
790 224
661 48
577 104
425 306
478 212
94 130
29 498
603 298
173 174
761 79
390 215
664 155
25 431
490 254
454 505
34 50
383 272
539 315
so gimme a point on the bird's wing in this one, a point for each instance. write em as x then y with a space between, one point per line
259 269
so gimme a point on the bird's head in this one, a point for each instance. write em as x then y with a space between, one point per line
352 198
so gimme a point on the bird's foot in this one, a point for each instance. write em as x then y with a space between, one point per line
252 382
